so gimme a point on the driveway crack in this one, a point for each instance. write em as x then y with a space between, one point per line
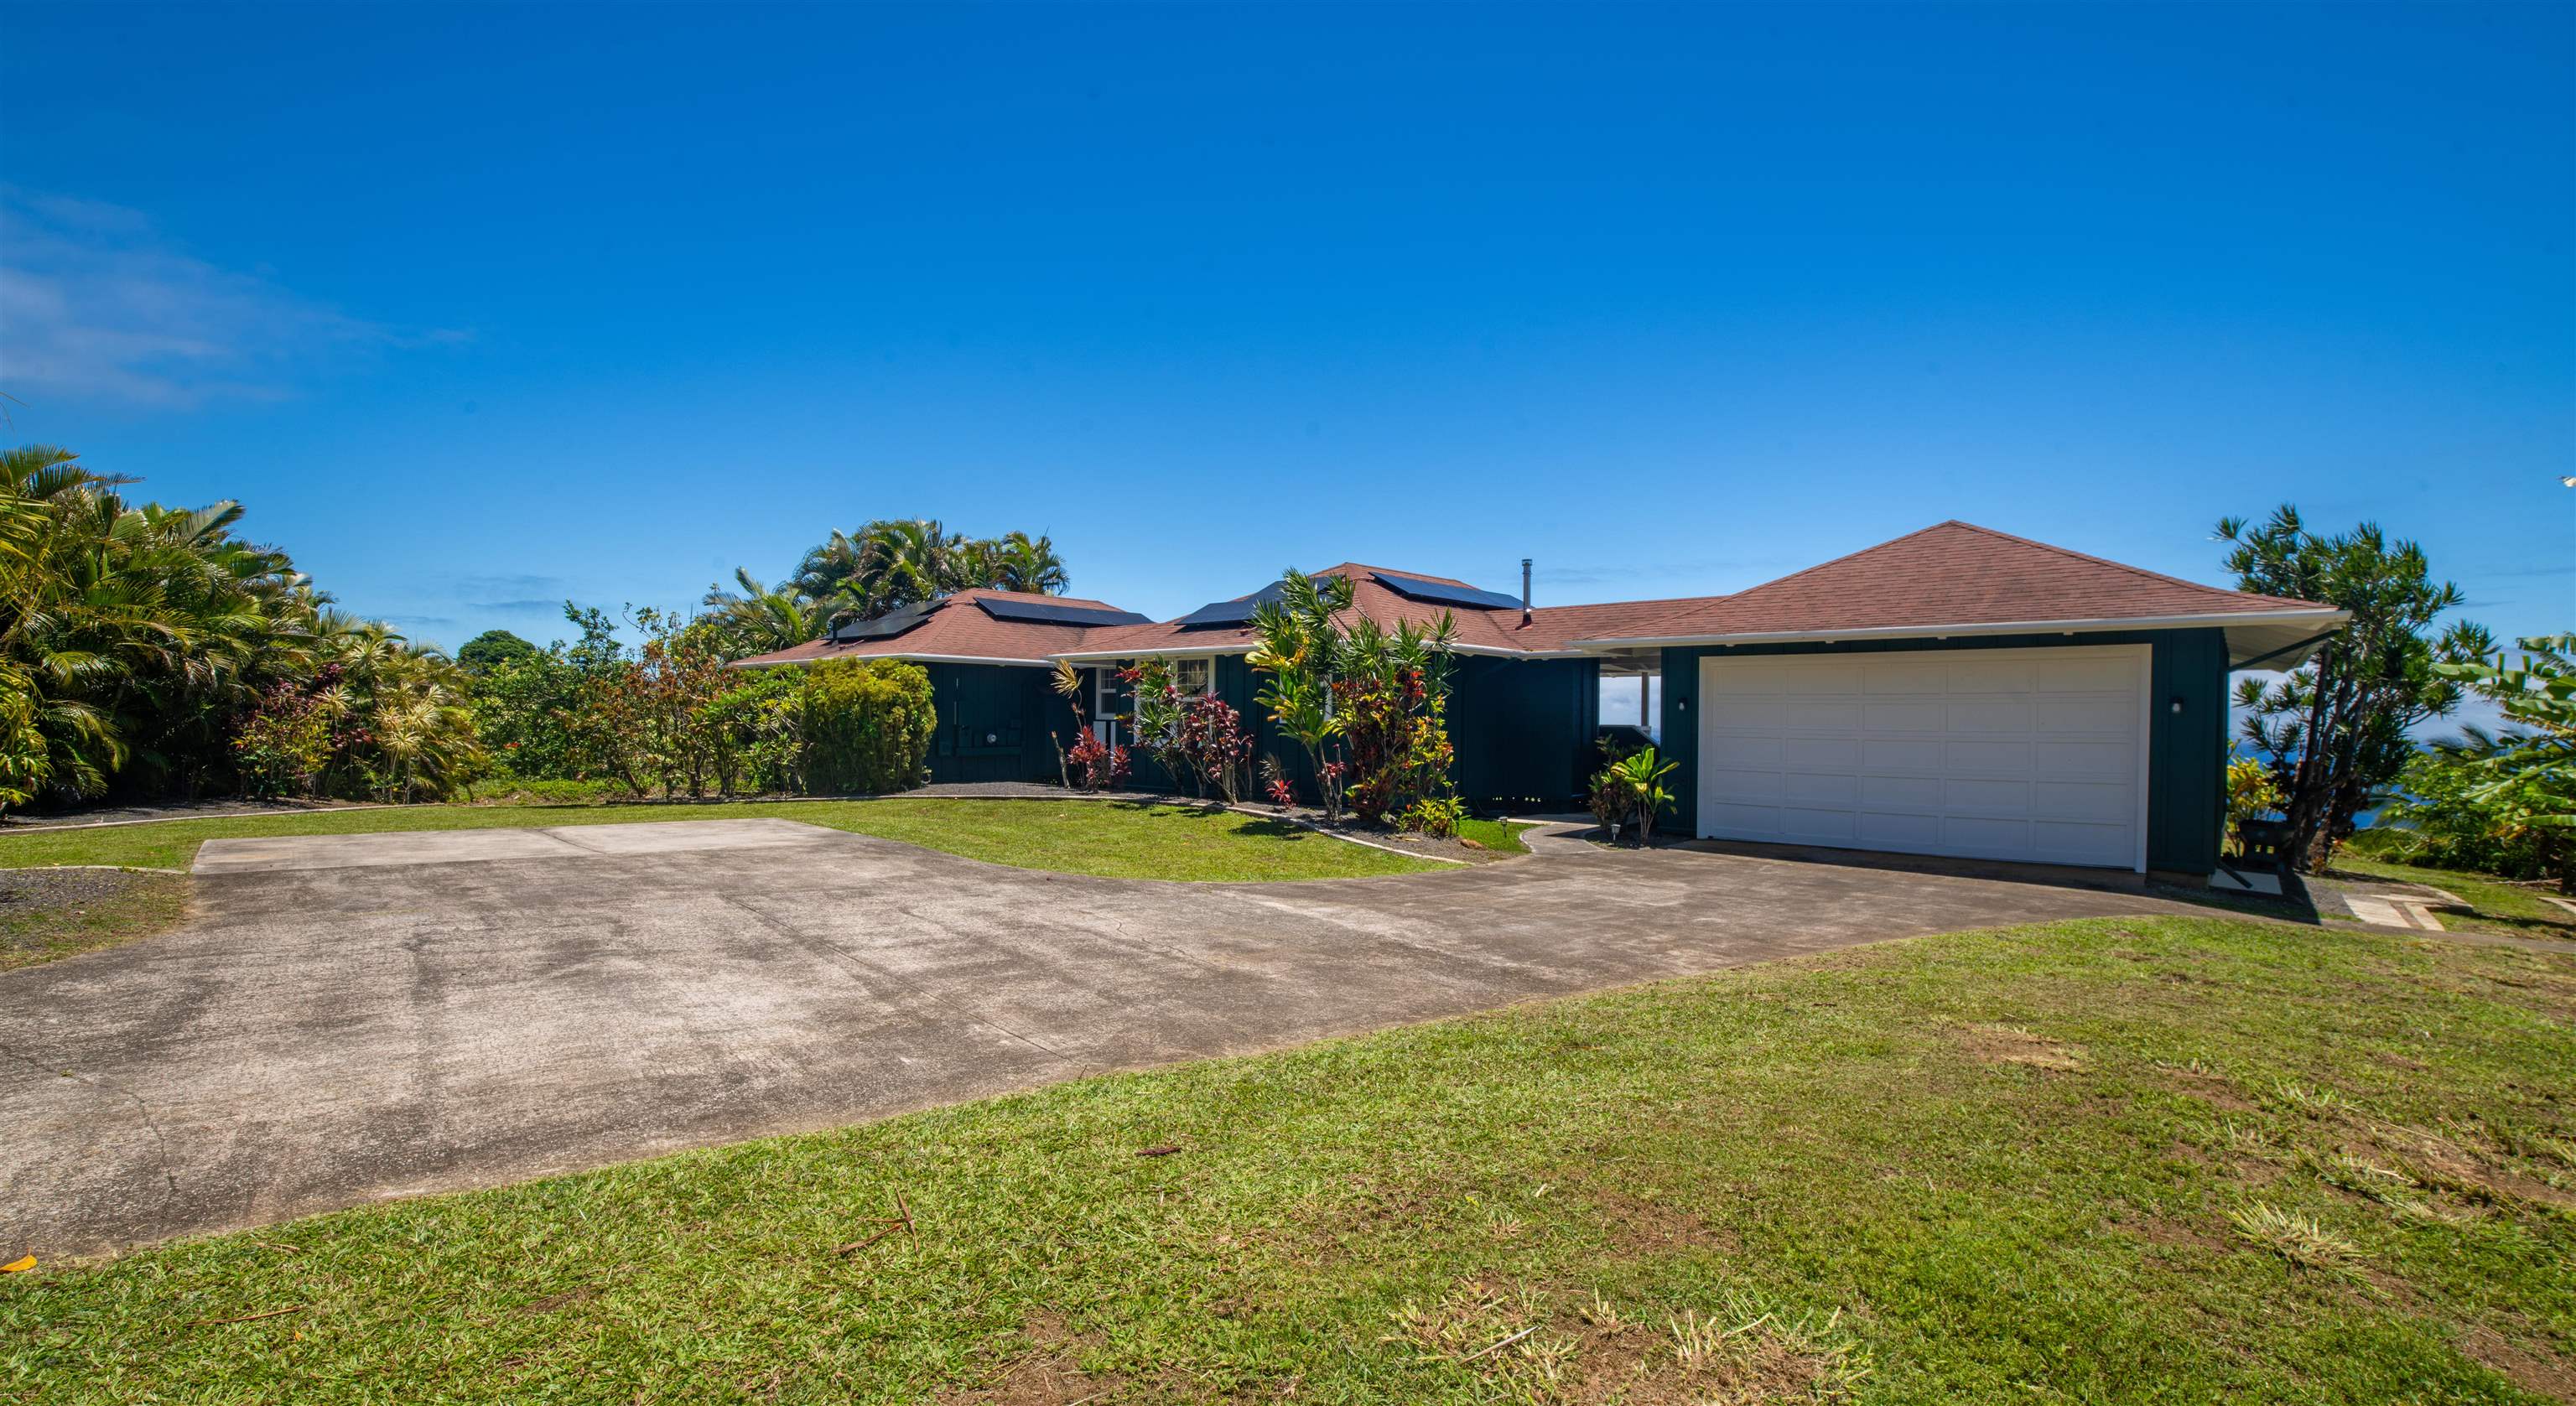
160 1143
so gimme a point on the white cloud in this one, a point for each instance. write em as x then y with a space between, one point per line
97 305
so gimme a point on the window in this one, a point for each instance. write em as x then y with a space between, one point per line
1104 705
1195 676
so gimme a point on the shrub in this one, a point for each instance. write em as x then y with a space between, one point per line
868 725
1434 815
1097 766
1631 791
1274 780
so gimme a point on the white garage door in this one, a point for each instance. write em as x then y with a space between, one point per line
2024 754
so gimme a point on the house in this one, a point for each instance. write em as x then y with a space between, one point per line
1956 691
1523 709
989 655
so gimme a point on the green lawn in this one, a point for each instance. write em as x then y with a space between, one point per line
1114 839
2500 906
1500 836
2172 1160
41 926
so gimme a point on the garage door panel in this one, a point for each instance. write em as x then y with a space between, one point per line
2060 842
1817 826
1748 714
1752 822
1990 714
1747 678
1737 751
2088 712
1820 788
2102 802
1901 792
1901 755
1912 713
2031 754
1751 787
2116 761
1986 797
1973 834
1986 758
1899 830
1891 674
2075 671
1821 753
1823 713
1966 675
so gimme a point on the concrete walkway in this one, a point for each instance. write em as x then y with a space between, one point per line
352 1018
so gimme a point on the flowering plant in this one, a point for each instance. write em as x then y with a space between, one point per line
1097 766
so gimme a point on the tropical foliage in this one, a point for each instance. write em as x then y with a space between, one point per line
152 650
2334 733
2505 802
883 566
1368 705
1197 738
1630 793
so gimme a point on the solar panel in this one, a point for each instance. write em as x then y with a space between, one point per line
1442 593
1057 614
886 626
1232 612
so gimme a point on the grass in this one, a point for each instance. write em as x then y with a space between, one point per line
2176 1160
124 907
2497 906
1119 840
1500 836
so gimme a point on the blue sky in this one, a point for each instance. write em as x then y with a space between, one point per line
479 308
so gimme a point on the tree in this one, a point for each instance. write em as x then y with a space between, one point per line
761 619
1017 562
2335 731
493 648
894 562
1367 705
1295 659
2527 781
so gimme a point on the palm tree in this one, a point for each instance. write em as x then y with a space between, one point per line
904 561
1017 562
759 619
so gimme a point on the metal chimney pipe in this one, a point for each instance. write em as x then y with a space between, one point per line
1525 592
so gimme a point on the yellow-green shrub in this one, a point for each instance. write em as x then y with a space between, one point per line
868 725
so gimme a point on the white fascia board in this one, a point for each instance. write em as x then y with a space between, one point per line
1096 656
906 658
2319 618
1498 653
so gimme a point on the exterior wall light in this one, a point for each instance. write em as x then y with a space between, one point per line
2174 705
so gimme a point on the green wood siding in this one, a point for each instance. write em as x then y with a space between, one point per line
1523 729
2186 751
996 723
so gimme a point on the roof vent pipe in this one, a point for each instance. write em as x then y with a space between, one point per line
1525 594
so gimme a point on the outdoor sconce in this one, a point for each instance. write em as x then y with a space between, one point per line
2174 705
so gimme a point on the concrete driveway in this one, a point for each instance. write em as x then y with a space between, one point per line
352 1018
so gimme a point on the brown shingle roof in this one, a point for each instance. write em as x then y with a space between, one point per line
1477 629
1950 574
1953 573
955 629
